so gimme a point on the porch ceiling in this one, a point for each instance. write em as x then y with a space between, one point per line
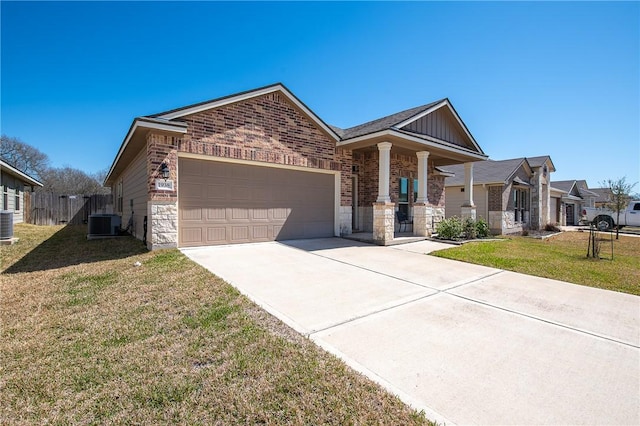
440 152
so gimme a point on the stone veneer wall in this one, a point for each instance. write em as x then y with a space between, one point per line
162 210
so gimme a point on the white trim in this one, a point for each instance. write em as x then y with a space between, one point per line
427 141
220 102
432 109
25 177
141 122
337 174
248 95
422 114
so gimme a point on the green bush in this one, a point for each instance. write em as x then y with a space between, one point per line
455 228
482 228
450 229
469 229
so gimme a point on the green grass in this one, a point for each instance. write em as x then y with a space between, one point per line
562 257
88 337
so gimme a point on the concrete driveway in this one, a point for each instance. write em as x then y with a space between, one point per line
465 343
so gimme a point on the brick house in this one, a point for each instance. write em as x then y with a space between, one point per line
511 195
575 195
261 166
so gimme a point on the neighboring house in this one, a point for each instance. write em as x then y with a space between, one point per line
604 196
511 195
14 183
261 166
575 196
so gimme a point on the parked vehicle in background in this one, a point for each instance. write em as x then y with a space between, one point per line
606 219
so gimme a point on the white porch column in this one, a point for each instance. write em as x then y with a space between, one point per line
384 171
468 207
423 172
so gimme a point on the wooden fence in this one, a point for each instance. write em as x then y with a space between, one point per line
45 208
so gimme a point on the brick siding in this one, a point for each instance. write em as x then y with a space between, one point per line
269 129
162 149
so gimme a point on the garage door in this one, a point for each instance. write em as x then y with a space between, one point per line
227 203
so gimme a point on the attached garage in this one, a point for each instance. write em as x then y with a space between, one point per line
222 202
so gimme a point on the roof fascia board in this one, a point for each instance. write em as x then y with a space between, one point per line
25 177
221 102
420 115
445 102
248 95
552 189
428 141
480 155
146 123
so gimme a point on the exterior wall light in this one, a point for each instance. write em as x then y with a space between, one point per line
164 170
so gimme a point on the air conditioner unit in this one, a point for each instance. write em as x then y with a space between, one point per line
104 224
6 224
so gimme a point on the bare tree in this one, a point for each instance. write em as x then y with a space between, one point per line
23 156
620 196
67 180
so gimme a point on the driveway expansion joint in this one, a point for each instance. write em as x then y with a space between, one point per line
369 314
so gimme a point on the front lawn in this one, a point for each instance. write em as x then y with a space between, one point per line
562 257
88 337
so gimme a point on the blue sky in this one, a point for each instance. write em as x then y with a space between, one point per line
528 79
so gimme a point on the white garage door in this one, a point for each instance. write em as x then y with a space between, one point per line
227 203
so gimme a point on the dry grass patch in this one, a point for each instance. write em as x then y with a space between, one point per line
87 337
562 257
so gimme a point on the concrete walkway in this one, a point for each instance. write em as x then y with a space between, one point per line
465 343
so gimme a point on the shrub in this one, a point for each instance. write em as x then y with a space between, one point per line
450 229
469 229
455 228
552 227
482 228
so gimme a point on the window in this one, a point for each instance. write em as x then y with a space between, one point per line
17 205
415 190
520 204
636 206
403 196
5 198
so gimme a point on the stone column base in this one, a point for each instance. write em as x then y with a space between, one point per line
422 220
162 223
383 222
468 211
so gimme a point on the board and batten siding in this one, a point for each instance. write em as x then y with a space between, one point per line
134 194
455 197
440 124
12 187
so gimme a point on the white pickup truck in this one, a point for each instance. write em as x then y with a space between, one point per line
606 219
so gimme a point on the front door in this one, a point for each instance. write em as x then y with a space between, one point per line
570 215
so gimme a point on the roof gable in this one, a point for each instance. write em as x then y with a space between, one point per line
9 169
540 161
445 125
216 103
442 123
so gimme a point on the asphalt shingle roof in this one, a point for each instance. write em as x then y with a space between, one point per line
537 161
563 185
489 171
386 122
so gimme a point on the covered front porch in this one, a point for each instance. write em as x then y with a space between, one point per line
396 169
398 188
